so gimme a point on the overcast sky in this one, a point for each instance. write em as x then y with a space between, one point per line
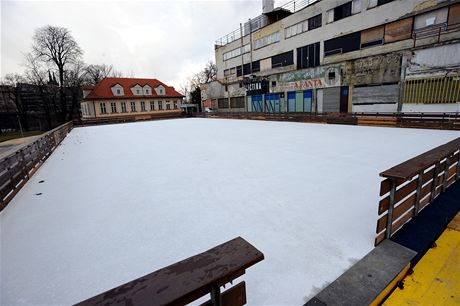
167 40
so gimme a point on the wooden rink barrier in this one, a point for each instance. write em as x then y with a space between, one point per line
413 184
447 121
190 279
17 167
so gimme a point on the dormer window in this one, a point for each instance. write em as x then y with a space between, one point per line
117 90
160 90
147 91
138 91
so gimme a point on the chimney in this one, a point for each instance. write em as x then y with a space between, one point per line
268 6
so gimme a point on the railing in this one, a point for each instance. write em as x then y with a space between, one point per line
291 6
412 185
190 279
411 120
436 30
16 168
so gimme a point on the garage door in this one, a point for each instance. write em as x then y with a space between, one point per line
383 98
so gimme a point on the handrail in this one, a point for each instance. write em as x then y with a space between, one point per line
190 279
411 167
414 184
17 167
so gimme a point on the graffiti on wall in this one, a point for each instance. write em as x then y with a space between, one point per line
318 77
373 70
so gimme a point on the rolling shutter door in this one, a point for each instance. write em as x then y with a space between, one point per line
375 98
331 100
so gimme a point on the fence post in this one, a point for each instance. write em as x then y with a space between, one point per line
216 298
446 174
457 176
418 193
435 181
390 208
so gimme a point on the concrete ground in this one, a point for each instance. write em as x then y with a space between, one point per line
435 279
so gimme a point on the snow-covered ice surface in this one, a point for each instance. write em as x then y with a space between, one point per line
121 201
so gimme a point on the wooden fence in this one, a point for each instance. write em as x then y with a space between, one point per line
189 280
407 120
412 185
16 168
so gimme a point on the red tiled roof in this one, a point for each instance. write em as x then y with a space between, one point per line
103 90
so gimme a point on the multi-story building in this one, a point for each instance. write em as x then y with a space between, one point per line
342 56
127 97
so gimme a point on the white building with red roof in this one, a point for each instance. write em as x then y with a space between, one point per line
128 97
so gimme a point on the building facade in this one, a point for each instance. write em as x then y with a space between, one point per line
342 56
129 97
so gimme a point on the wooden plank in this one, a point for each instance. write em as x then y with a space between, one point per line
411 167
397 212
187 280
380 237
401 221
428 175
424 202
235 296
399 195
426 190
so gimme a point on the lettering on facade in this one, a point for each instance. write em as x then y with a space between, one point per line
374 69
256 87
305 84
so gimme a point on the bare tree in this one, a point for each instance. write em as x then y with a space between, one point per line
57 46
75 77
95 73
36 74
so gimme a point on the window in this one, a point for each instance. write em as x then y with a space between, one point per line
308 56
247 69
142 106
431 18
342 11
237 102
113 105
152 106
267 40
168 105
160 105
123 107
372 37
222 103
374 3
175 104
226 72
283 59
118 91
342 44
256 66
314 22
133 107
138 91
239 71
237 52
147 91
103 109
296 29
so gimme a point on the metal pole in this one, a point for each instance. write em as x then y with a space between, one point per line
390 209
418 194
216 298
446 174
435 178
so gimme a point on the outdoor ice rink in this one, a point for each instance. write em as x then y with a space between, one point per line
121 201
